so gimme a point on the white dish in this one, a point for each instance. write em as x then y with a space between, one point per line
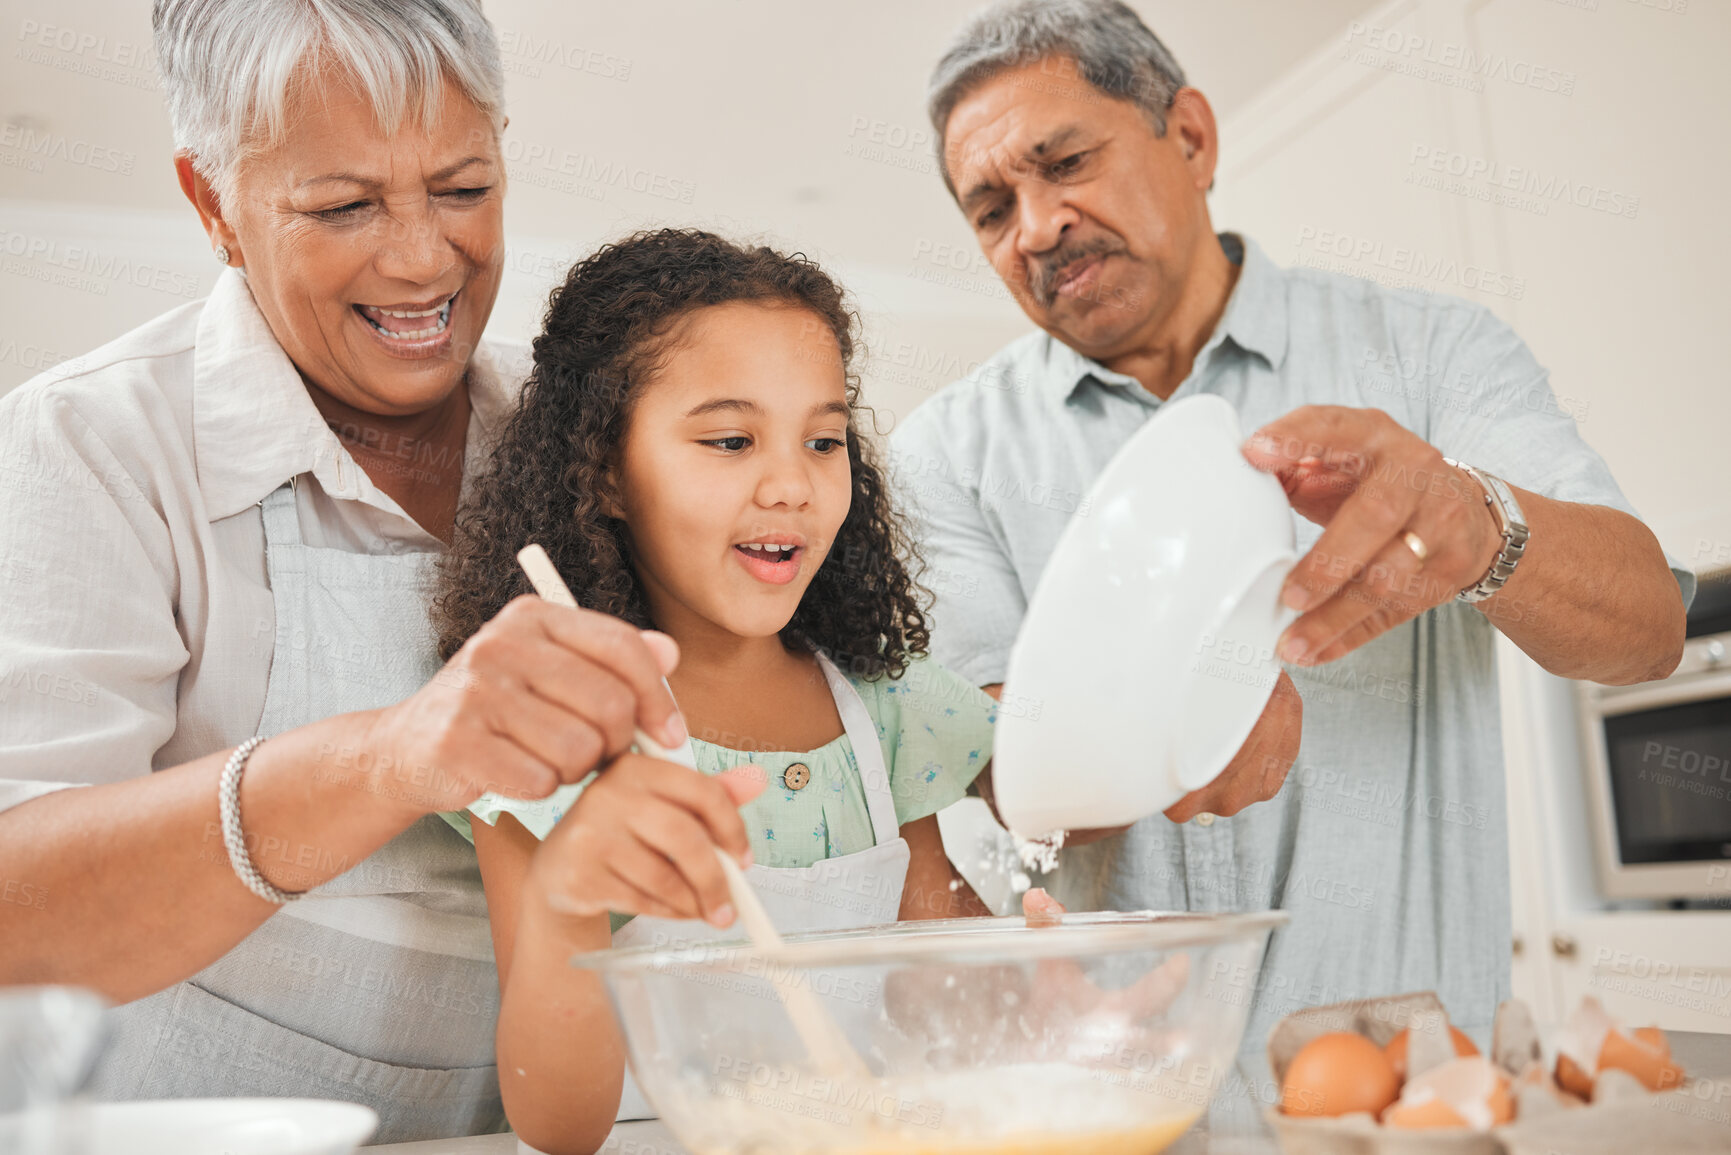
227 1126
1147 652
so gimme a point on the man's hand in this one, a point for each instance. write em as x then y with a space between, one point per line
1403 530
1258 770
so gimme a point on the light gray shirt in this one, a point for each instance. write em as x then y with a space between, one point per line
1388 843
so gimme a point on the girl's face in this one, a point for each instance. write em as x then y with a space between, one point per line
733 478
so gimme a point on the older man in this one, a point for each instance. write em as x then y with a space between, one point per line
1430 516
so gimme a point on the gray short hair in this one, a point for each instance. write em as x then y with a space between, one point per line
1113 50
227 65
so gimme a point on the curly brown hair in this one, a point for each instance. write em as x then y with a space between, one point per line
605 329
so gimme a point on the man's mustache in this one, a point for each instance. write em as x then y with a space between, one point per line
1045 274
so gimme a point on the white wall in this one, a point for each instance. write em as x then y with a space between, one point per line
795 121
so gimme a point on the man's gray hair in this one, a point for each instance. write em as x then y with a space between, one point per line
1113 50
227 66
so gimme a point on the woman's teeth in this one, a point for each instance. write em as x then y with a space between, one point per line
769 552
394 323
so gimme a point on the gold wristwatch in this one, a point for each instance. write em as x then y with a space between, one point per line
1510 520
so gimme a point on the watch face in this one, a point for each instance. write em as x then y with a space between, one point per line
1510 520
1506 498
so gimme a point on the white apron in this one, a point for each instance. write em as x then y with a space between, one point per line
871 879
379 987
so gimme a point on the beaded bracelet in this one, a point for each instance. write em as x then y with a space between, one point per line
228 802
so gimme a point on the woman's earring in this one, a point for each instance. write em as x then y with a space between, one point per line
222 254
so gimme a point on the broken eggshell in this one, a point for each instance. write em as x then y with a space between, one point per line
1464 1092
1548 1121
1378 1020
1537 1093
1592 1043
1515 1044
1429 1056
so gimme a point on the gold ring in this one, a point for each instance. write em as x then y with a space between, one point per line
1415 543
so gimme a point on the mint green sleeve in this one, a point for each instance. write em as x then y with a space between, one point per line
935 728
538 815
459 820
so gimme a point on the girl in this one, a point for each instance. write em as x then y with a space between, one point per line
686 451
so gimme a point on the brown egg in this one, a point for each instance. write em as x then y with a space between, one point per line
1654 1038
1573 1079
1337 1074
1646 1058
1396 1049
1425 1116
1464 1092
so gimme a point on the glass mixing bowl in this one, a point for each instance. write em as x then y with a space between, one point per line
1107 1033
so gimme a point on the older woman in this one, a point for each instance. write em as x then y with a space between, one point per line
222 526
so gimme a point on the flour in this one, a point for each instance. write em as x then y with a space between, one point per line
1028 1109
1038 854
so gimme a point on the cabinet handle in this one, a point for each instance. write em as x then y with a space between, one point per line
1563 946
1519 945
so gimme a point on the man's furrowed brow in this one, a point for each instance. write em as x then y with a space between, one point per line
1041 152
1055 141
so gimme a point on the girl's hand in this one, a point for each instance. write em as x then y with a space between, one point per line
540 696
641 840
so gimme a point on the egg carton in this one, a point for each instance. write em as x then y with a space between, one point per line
1624 1116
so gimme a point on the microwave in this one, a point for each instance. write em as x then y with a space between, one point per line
1658 766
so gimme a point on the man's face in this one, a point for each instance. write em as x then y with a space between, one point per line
1090 218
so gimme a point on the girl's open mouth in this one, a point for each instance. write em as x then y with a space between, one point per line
776 563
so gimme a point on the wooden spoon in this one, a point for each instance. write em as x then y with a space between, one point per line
822 1035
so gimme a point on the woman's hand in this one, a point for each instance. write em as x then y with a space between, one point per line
539 697
641 840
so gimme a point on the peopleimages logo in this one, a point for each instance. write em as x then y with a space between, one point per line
531 52
1449 61
591 170
89 270
122 53
1399 266
1496 177
26 141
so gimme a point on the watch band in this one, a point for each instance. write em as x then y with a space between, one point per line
1510 521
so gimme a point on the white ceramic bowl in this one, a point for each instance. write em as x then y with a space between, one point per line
225 1126
1147 652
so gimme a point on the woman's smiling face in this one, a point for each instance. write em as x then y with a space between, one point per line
375 258
733 476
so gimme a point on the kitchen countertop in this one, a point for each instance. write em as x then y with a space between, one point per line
1234 1125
